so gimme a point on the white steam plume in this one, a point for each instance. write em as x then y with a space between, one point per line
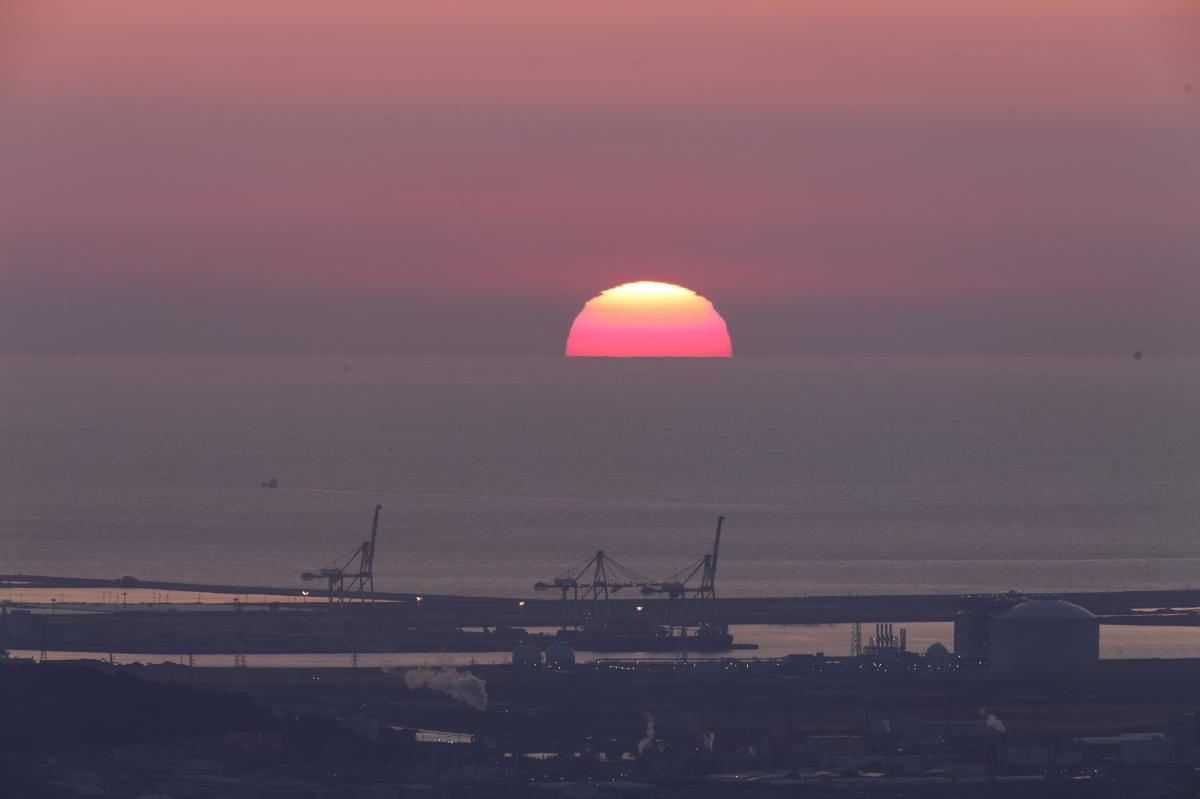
461 685
647 741
991 722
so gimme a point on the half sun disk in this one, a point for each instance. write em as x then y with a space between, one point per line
649 319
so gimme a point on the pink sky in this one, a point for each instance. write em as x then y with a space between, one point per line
428 177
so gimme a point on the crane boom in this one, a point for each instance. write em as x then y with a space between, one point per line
717 547
369 555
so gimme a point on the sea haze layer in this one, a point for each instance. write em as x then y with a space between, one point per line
836 475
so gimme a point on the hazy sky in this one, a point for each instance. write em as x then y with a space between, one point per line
435 176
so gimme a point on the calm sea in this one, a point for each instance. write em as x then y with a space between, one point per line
854 475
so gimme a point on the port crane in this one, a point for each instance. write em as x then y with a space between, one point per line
351 576
691 604
585 590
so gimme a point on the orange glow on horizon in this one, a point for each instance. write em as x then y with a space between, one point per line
649 319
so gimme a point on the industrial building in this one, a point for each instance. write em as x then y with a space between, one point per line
1044 634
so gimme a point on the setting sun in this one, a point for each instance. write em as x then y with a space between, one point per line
649 319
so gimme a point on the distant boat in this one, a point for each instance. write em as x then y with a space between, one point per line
1137 356
272 483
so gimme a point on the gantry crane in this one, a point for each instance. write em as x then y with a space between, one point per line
694 605
585 590
352 576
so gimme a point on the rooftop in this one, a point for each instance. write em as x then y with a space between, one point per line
1047 610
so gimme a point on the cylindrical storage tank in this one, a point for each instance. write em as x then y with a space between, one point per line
1045 634
560 656
964 633
527 656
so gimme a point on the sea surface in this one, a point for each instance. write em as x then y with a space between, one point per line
835 475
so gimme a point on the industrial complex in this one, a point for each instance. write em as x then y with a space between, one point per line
608 678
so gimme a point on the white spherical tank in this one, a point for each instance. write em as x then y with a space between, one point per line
527 656
560 656
1044 634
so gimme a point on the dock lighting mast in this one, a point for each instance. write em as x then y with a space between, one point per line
352 576
585 590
